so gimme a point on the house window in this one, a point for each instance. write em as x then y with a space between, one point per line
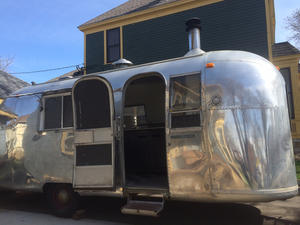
58 112
286 73
185 101
113 47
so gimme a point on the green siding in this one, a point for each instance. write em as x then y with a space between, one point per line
155 39
228 25
95 53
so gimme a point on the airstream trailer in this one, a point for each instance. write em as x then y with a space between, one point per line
211 127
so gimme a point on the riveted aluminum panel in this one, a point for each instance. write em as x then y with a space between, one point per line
103 135
84 136
245 151
94 176
242 152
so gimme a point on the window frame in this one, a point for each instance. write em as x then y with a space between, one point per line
43 114
107 60
289 93
192 110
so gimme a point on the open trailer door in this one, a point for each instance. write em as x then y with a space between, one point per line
94 139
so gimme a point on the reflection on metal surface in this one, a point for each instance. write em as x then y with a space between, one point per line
29 158
67 143
216 100
241 150
51 179
245 146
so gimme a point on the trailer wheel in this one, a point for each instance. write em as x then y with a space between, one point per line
62 199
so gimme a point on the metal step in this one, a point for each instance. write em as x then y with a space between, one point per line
146 191
149 207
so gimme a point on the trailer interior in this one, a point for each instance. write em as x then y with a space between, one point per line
144 133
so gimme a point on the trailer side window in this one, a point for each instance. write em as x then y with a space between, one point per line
185 101
67 111
58 112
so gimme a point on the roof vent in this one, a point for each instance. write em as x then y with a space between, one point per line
193 27
65 78
122 63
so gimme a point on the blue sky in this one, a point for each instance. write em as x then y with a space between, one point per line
43 34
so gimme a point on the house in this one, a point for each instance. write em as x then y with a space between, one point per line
8 84
78 72
287 57
143 31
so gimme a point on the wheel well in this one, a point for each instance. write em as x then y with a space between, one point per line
49 185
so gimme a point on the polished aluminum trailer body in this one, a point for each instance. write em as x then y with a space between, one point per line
242 150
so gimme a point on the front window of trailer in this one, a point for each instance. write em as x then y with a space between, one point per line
58 112
17 109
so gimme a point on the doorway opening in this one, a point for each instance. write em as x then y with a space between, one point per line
144 133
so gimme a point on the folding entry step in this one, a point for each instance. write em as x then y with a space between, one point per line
143 206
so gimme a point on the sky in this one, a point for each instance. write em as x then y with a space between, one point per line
41 35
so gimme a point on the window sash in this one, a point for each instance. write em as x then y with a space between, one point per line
67 114
185 101
62 116
286 73
52 108
185 93
113 46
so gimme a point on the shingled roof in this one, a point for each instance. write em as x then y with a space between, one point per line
128 7
9 84
283 49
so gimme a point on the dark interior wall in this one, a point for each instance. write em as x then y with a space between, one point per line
150 93
227 25
144 148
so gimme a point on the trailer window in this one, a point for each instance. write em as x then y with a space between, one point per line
67 111
185 92
17 109
58 112
185 101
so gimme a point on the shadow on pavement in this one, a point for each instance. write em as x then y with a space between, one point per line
184 213
108 209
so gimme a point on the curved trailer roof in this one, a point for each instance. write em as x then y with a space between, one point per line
118 77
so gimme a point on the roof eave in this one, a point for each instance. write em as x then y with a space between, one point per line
287 57
128 16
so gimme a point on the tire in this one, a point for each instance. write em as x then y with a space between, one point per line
62 199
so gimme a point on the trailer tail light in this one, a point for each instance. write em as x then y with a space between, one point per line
210 65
